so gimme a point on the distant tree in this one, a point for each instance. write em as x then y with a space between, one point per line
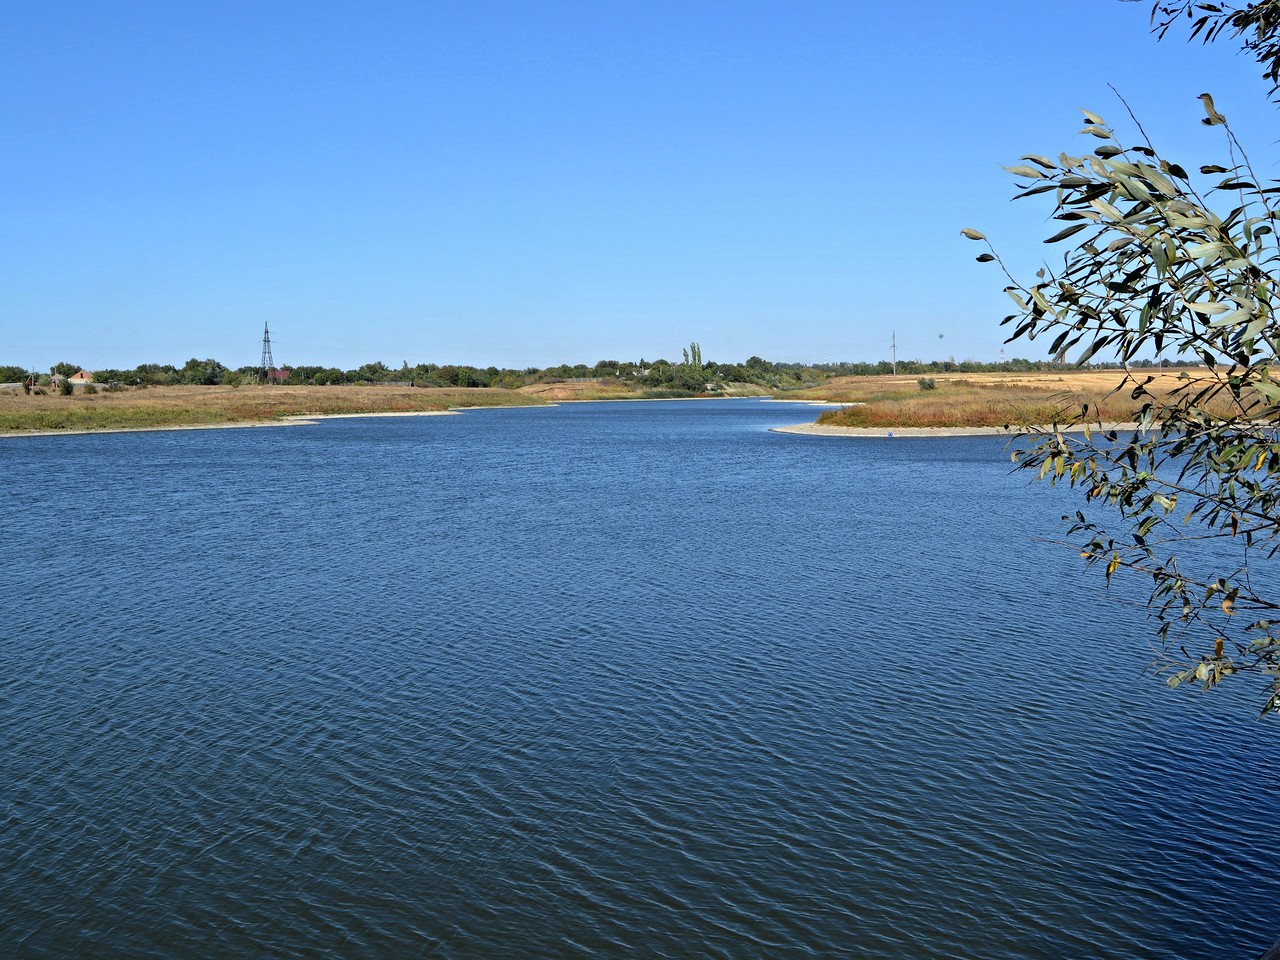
155 374
207 372
64 370
376 372
1163 262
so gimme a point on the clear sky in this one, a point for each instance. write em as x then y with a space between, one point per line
524 184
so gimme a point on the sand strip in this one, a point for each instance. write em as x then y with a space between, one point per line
313 417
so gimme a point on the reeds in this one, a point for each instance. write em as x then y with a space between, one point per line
972 403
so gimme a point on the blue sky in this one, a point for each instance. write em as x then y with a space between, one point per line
523 184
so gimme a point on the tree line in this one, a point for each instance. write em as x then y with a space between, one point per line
690 374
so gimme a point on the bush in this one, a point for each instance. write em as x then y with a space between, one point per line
90 388
927 383
66 387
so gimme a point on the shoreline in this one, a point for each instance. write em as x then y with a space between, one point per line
304 419
800 429
294 420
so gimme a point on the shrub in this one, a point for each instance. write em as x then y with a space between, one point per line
927 383
90 388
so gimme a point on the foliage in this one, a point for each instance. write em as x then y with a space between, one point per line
207 372
1255 25
1165 261
65 386
927 383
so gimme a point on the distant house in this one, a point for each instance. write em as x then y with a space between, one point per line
278 376
84 376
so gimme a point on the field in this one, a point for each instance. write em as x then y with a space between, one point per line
133 409
987 399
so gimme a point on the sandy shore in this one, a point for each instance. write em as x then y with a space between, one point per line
822 430
304 418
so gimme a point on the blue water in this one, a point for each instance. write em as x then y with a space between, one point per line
602 680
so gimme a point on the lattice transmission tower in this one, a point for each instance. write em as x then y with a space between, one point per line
268 364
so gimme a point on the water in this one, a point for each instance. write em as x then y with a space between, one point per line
603 680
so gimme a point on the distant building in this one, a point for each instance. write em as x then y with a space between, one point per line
84 376
278 376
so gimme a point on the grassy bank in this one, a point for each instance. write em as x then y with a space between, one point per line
621 390
984 400
134 409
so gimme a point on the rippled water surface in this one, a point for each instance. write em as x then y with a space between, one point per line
603 680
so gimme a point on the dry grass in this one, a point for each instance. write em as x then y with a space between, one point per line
202 406
987 399
581 390
621 390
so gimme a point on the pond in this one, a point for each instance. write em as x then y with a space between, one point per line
598 680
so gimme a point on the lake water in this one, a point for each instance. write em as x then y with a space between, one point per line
601 680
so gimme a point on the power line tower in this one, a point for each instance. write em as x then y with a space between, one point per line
267 364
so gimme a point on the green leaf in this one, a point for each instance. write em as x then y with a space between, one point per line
1209 308
1070 231
1042 161
1268 389
1235 316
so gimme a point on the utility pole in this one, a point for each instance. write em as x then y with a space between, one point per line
895 353
267 364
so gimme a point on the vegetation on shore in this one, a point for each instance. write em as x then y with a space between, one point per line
690 376
211 406
203 393
985 401
972 400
